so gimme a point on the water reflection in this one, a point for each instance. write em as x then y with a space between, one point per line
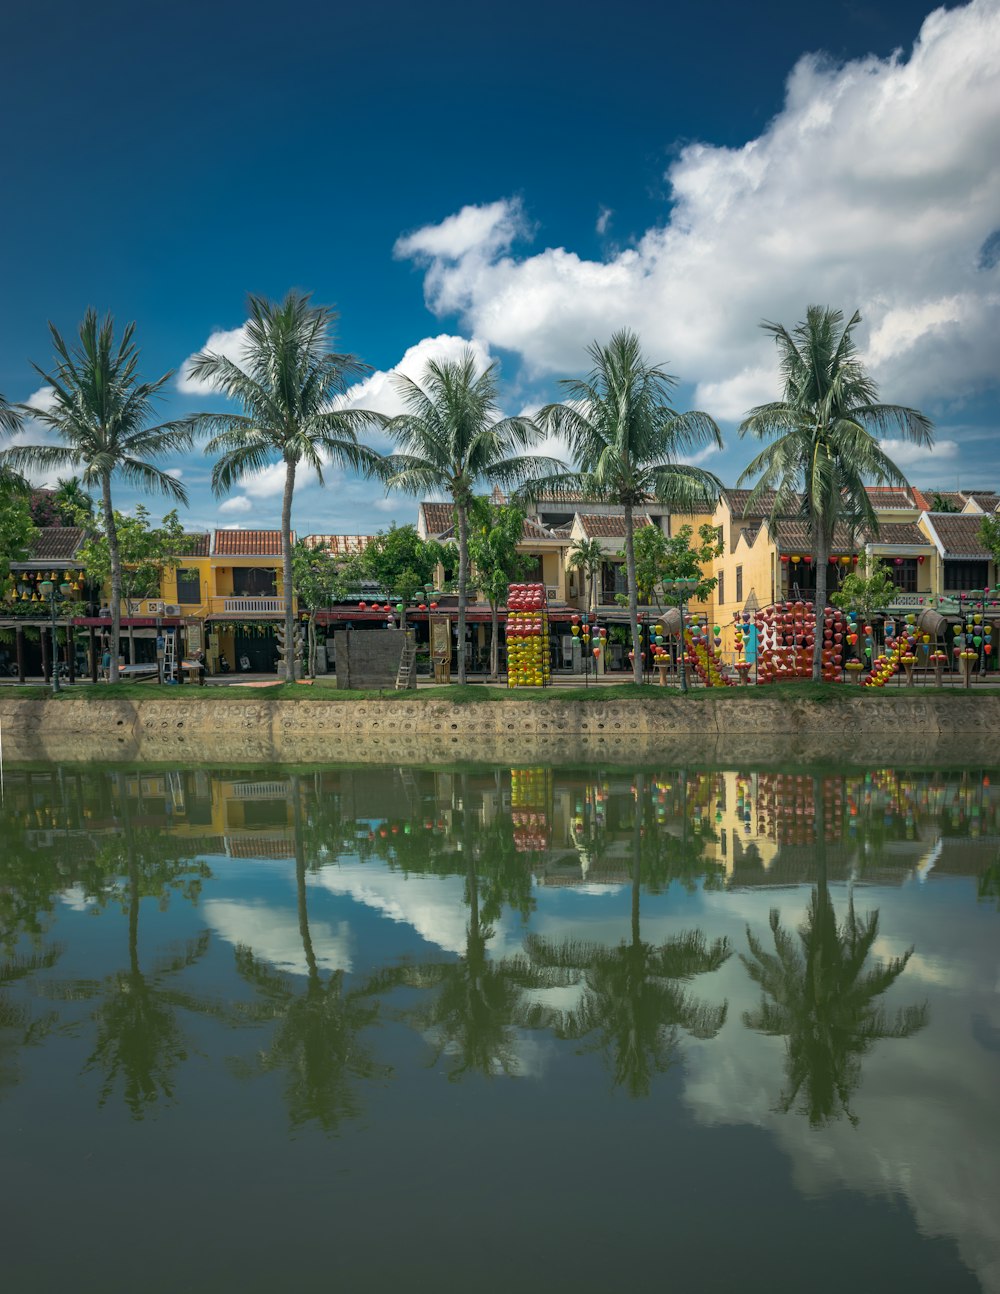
331 943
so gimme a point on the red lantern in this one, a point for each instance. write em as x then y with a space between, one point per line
784 557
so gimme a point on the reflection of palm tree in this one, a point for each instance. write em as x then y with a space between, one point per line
820 998
316 1041
17 1028
138 1037
631 1001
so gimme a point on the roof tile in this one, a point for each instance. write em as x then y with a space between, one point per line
248 543
56 544
959 534
597 526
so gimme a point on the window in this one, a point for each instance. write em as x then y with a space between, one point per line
904 573
739 584
189 587
962 576
720 589
254 581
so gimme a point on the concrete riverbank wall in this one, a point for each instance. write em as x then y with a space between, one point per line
904 729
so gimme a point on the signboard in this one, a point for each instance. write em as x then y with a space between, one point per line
441 639
195 636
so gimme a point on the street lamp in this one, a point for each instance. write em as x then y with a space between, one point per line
682 587
48 590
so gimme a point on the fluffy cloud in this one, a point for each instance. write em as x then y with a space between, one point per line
874 187
34 432
239 503
231 343
906 455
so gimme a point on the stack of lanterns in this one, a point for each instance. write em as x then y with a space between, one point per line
530 793
900 648
786 637
590 634
527 636
702 643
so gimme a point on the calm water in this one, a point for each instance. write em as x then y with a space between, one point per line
383 1029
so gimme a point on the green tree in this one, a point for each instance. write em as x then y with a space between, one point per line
619 423
100 410
586 555
400 561
495 530
989 535
866 594
819 997
451 437
659 557
17 530
288 383
319 579
825 449
144 553
73 504
940 504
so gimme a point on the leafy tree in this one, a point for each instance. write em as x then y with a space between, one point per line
989 535
940 504
586 555
866 594
495 530
659 557
144 553
825 447
73 504
400 561
619 423
451 437
17 530
288 383
100 410
319 579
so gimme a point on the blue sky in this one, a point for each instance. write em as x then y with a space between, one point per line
526 179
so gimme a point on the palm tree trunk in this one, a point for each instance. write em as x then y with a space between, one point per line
463 578
116 575
286 569
821 555
494 634
633 595
640 795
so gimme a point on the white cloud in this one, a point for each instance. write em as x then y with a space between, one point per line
175 472
906 455
34 432
603 220
874 187
239 503
231 343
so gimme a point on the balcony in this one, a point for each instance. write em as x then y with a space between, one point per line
246 606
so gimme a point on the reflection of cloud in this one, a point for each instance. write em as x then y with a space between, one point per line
926 1105
76 899
274 935
433 906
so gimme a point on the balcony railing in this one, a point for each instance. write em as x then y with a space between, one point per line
238 605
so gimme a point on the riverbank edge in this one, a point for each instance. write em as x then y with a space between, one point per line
913 729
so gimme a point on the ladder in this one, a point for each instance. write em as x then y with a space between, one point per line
406 674
169 659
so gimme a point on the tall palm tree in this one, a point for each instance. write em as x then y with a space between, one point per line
621 427
825 449
451 437
288 382
586 555
100 410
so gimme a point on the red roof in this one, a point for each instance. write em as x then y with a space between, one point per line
248 543
596 525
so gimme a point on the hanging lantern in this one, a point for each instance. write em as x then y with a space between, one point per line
784 557
796 559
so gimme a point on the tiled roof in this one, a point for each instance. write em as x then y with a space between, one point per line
248 543
900 532
196 546
339 545
532 530
601 527
438 517
953 497
987 500
882 496
959 534
56 544
737 500
794 537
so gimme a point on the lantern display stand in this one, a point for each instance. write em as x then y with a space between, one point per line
967 660
938 659
786 636
528 659
887 665
530 796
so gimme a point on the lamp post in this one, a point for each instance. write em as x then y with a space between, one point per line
682 587
48 590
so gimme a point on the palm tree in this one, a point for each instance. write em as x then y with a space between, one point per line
825 448
820 998
100 411
72 501
451 437
619 423
586 555
288 382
